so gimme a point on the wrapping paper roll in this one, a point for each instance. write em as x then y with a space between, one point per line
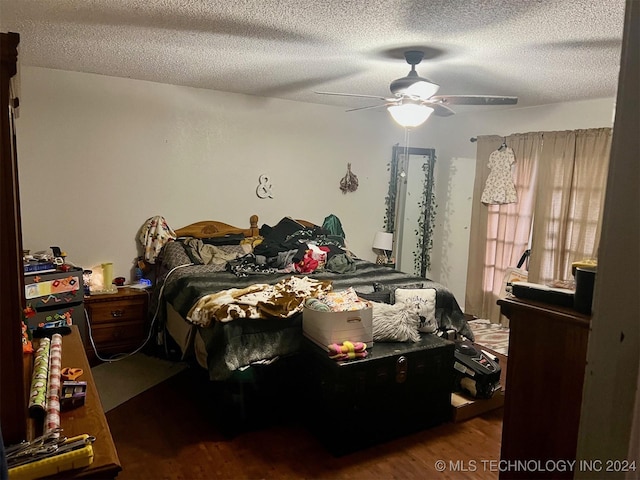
39 379
52 420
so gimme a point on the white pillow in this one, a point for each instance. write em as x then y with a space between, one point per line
423 301
394 323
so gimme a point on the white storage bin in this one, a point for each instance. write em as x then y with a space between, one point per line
326 328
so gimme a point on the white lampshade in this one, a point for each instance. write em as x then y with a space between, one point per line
383 241
410 114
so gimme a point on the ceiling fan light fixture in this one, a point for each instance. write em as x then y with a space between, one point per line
410 115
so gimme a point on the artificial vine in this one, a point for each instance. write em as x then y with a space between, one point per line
390 199
426 222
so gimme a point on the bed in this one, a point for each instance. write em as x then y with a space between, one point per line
235 344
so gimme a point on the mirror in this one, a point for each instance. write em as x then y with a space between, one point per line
410 213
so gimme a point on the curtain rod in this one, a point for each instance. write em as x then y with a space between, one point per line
473 139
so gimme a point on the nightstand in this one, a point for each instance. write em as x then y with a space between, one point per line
118 322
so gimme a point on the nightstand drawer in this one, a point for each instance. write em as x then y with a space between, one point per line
117 311
119 333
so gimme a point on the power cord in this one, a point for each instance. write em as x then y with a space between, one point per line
122 356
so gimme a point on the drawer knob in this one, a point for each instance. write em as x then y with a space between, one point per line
401 369
117 313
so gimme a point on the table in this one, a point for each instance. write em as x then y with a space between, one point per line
89 418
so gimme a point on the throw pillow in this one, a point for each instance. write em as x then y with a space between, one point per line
423 302
394 323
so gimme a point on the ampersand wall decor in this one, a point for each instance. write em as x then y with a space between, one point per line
264 187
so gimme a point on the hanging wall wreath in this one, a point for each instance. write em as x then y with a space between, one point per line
349 183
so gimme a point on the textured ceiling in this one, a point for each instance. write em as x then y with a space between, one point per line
543 51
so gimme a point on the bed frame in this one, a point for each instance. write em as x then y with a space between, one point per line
216 229
255 393
249 396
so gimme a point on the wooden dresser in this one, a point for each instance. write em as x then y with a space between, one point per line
118 322
547 361
13 417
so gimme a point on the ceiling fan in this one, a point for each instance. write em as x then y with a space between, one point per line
415 97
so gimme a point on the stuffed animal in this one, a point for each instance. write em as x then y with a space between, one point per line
347 351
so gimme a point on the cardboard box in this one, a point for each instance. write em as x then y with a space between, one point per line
73 394
326 328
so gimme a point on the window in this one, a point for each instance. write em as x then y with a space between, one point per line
560 180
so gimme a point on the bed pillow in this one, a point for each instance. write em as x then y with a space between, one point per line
230 239
391 288
394 323
216 257
423 302
173 254
380 297
235 249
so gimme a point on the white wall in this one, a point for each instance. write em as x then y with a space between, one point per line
99 155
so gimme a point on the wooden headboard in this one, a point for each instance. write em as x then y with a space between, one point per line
212 228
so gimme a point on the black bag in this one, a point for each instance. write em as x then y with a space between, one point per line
477 371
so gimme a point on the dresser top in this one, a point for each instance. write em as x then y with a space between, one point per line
510 305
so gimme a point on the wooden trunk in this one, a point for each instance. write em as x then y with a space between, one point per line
397 389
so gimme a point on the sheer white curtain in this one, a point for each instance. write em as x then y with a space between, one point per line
560 180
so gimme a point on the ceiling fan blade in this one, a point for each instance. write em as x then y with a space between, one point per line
367 108
440 110
474 99
352 95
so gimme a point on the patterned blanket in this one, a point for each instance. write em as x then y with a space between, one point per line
280 300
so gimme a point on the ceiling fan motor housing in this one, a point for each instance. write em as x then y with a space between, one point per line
413 57
400 85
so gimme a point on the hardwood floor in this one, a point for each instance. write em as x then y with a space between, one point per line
168 432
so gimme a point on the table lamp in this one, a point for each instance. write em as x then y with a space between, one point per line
383 241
